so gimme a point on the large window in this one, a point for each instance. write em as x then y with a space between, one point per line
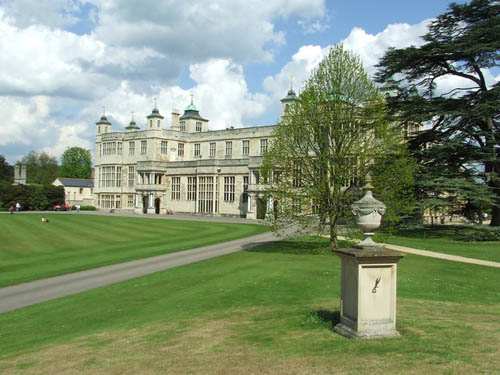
206 195
191 189
263 146
229 148
110 176
131 148
144 147
246 147
109 148
130 200
119 148
106 201
164 149
198 126
118 182
245 189
180 149
176 188
229 182
197 152
131 176
183 126
213 146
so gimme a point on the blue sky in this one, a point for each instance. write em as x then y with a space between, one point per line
62 61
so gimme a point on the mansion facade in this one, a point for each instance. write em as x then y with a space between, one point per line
187 168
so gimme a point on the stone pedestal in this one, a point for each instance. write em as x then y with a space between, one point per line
368 292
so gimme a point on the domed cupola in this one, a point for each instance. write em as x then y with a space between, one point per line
191 121
103 125
132 126
287 101
155 120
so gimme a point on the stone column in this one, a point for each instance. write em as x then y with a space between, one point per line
252 206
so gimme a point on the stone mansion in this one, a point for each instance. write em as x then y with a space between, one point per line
187 168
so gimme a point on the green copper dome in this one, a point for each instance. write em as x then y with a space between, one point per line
291 96
103 121
191 107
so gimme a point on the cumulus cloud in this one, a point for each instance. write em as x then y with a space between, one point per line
54 13
38 60
197 30
220 93
33 124
370 48
297 71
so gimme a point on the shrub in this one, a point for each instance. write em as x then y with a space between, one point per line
87 208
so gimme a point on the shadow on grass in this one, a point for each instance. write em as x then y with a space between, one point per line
307 245
322 319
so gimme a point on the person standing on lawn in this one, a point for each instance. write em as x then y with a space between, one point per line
18 206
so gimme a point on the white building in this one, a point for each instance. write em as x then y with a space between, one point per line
77 190
187 168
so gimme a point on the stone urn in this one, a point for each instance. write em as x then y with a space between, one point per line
368 212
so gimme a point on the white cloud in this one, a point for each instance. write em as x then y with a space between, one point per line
198 30
370 48
30 124
221 94
54 13
38 60
297 70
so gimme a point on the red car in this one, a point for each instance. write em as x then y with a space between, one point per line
59 207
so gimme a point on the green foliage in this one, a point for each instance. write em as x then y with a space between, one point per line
40 168
55 195
462 141
31 197
85 208
36 199
325 145
393 179
6 170
76 163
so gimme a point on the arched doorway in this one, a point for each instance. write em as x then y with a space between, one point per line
145 204
157 206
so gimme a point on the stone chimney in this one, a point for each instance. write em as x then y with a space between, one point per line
175 119
20 174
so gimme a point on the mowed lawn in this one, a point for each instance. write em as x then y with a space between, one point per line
30 249
266 311
462 240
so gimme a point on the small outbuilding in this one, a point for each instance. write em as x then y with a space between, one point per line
77 190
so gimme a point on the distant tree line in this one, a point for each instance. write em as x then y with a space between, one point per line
43 169
32 197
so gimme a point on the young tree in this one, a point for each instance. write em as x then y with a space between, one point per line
326 144
40 168
76 163
460 45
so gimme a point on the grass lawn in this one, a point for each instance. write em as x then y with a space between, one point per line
265 311
459 240
30 249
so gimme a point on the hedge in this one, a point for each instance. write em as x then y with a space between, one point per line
31 197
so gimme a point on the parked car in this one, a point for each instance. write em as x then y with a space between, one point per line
62 207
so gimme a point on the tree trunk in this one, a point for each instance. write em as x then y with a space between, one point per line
333 236
495 216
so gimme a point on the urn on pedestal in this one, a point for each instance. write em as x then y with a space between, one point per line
368 279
